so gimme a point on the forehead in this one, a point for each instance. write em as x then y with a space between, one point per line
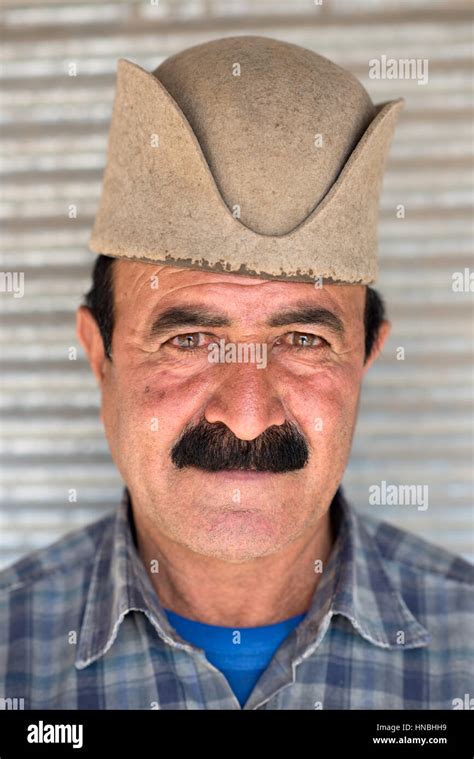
147 288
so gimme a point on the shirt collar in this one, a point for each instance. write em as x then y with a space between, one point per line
119 584
354 584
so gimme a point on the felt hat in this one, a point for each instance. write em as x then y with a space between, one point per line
245 155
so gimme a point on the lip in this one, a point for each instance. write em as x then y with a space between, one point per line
241 475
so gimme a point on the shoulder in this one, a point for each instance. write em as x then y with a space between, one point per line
417 556
42 601
437 586
61 563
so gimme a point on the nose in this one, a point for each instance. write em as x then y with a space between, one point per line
245 401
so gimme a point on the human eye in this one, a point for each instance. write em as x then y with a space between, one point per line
188 341
302 341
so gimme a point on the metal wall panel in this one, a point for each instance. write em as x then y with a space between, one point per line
416 420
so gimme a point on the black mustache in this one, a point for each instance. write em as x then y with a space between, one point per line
214 447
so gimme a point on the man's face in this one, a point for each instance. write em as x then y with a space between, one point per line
176 420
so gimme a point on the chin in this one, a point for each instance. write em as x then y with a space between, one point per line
236 536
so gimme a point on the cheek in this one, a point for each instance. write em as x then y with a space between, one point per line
325 405
121 419
144 412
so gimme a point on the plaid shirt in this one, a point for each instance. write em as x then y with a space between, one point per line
389 627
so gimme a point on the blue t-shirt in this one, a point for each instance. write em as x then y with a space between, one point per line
240 653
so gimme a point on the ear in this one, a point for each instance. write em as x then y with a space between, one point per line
90 338
382 337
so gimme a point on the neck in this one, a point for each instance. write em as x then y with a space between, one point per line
250 594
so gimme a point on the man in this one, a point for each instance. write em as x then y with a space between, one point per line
229 327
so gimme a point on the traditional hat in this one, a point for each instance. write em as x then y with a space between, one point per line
245 155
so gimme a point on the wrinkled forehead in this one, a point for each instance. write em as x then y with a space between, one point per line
144 287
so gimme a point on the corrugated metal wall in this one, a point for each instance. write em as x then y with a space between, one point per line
416 422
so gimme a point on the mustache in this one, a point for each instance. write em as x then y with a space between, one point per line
215 448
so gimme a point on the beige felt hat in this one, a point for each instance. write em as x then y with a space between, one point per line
245 155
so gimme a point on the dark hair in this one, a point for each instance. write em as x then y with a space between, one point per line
374 314
100 301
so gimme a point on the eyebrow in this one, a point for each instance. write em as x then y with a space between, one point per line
186 316
308 313
197 316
